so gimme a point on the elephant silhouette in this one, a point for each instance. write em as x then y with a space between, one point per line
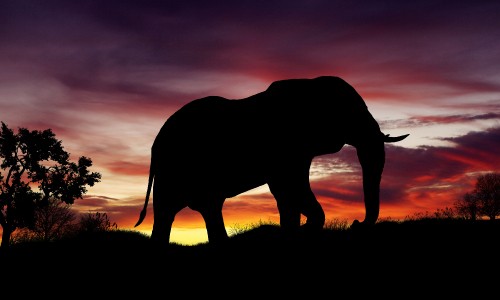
215 148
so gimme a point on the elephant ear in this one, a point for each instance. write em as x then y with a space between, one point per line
390 139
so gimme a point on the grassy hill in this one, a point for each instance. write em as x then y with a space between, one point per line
424 253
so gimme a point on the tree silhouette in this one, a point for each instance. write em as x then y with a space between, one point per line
468 206
488 192
484 200
32 158
53 221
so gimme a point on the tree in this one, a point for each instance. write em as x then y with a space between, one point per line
484 200
488 192
36 158
53 221
468 206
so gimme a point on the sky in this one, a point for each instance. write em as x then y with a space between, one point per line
106 75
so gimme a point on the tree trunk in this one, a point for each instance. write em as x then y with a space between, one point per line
7 230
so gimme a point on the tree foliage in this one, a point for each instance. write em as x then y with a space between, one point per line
36 159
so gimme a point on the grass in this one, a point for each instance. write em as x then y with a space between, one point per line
386 234
420 251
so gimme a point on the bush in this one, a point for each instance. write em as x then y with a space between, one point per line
95 222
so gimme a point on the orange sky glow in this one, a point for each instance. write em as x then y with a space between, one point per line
106 75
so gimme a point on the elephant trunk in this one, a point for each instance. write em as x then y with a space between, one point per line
372 159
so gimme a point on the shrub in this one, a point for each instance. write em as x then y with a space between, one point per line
95 222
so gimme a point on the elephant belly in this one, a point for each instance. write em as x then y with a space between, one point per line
240 183
230 180
213 175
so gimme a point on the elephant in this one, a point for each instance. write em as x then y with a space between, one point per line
214 148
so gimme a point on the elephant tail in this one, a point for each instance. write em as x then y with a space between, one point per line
150 184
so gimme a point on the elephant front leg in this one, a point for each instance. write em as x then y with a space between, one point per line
295 197
289 211
289 205
312 210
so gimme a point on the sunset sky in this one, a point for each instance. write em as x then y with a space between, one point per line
106 75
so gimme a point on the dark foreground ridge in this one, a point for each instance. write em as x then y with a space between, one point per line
423 252
425 238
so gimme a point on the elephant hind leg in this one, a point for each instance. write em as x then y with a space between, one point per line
166 205
214 220
162 227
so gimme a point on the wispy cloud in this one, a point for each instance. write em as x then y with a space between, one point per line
418 121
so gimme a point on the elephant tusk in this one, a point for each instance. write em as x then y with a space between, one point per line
389 139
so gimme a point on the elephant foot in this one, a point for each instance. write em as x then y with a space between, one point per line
312 227
218 240
358 226
311 231
159 242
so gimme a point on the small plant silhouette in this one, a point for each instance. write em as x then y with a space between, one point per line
96 222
